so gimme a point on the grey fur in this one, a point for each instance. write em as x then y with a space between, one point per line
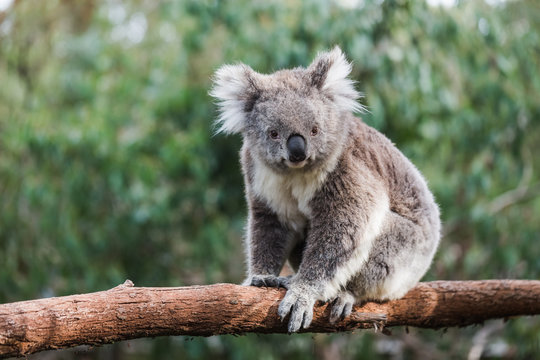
355 219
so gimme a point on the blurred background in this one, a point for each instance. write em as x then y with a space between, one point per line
109 169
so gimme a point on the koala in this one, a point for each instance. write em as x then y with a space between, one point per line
327 193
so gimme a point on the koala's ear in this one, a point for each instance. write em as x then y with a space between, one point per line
329 73
236 90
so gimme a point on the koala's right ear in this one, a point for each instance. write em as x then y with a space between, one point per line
329 73
236 90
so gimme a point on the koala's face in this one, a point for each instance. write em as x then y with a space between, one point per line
292 128
291 120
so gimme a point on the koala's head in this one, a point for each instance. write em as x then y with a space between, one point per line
291 119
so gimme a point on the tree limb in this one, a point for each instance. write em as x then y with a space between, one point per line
127 312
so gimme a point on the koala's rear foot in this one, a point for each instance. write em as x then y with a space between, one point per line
341 306
267 281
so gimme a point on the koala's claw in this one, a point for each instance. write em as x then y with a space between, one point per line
300 306
341 306
268 281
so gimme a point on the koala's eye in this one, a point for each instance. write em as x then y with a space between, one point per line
314 130
274 134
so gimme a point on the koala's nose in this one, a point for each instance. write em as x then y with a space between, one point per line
296 146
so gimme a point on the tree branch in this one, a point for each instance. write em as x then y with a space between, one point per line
127 312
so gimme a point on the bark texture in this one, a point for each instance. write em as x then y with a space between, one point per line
128 312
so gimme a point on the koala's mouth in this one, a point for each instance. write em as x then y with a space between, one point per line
296 164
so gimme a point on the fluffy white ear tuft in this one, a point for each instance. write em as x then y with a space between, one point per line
235 90
329 72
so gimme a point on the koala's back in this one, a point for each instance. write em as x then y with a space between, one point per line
408 192
406 229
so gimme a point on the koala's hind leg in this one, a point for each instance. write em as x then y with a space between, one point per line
399 258
342 306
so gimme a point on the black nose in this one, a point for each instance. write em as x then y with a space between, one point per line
296 146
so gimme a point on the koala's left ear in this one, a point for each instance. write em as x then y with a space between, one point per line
329 73
235 88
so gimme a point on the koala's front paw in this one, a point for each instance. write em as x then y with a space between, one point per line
341 306
268 281
299 303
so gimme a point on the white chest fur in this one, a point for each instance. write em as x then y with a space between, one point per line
288 195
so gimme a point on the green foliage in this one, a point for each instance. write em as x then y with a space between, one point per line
109 168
